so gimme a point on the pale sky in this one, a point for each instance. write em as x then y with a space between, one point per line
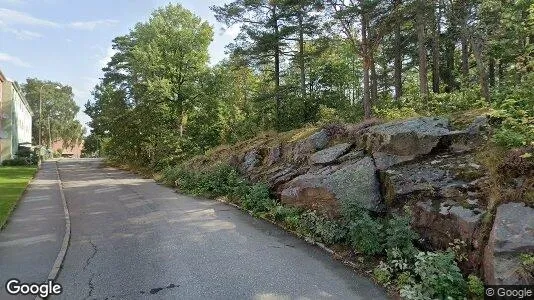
70 40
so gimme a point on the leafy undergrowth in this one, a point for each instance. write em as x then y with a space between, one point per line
365 239
13 181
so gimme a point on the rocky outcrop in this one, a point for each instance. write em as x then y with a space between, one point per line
445 176
401 141
512 235
420 164
317 141
470 138
329 155
325 189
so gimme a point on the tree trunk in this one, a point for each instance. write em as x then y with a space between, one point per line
491 71
374 78
301 58
423 81
366 66
476 45
447 71
464 41
397 63
435 49
501 72
277 69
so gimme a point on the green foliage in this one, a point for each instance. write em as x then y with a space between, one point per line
281 213
400 235
328 115
221 180
153 105
438 276
322 229
475 286
18 161
514 107
351 210
400 261
527 261
366 234
58 115
258 200
404 278
410 105
395 113
382 274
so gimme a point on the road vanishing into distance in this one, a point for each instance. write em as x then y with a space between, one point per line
133 239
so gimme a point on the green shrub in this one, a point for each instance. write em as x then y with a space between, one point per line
513 107
475 287
439 275
186 180
239 191
400 261
410 105
331 232
416 291
382 273
292 222
351 210
169 175
327 115
258 199
527 261
18 161
218 181
400 235
404 278
366 234
322 229
280 213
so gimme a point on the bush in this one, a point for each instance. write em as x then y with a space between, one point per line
400 235
410 105
170 175
280 213
351 210
322 229
513 107
438 277
258 199
366 234
218 181
399 261
475 287
18 161
383 274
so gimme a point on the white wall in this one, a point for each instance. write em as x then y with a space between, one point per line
23 119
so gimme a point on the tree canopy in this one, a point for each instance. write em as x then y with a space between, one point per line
57 119
311 62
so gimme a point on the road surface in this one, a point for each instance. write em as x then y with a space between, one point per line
132 238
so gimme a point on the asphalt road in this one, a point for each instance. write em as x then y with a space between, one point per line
132 238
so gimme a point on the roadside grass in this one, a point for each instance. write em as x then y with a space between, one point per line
13 181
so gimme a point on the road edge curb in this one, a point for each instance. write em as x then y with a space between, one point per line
66 238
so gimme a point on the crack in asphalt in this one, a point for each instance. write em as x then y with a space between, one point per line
91 286
159 289
88 261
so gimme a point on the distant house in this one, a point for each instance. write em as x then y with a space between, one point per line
74 151
15 119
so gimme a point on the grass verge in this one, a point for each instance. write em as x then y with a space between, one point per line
13 181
